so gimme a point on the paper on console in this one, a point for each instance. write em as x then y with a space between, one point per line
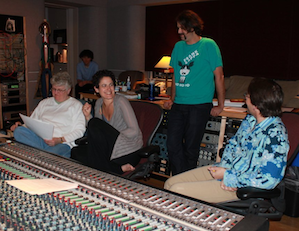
42 186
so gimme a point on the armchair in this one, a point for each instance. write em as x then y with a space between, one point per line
262 202
149 117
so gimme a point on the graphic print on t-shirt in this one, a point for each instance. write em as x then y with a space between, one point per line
184 71
186 67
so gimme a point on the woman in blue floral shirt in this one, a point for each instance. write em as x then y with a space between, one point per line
256 156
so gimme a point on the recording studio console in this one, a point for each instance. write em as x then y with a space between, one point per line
218 131
217 134
101 201
209 144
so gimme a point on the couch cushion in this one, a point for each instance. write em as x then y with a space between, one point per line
226 82
237 86
293 103
290 90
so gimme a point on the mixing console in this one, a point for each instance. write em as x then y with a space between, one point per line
101 201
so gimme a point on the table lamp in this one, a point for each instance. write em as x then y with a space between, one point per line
164 64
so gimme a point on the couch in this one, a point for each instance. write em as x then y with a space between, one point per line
237 85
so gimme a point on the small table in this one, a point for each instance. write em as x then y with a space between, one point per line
88 96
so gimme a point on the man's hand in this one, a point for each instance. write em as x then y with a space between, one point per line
216 110
226 188
220 89
168 104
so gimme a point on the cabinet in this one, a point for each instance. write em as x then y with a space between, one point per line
13 97
12 101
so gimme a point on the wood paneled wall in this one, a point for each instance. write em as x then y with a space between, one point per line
256 37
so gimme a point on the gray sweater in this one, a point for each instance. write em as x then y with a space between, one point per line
124 120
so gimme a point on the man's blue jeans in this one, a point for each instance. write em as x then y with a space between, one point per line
26 136
185 130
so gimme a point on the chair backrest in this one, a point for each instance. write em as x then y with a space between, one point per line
149 117
291 121
135 77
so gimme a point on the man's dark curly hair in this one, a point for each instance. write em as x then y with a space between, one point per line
190 21
98 76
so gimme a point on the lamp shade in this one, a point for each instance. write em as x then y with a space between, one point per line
163 63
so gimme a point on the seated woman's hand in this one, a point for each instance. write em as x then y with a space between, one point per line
86 109
226 188
217 172
127 167
13 127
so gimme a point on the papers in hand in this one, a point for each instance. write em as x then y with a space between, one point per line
42 129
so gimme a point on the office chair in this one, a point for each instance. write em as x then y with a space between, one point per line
262 202
149 117
136 77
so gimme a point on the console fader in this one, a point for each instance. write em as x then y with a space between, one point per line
102 201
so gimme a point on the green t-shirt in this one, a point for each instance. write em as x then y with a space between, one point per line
193 70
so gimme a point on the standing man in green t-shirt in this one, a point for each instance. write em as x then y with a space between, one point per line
198 71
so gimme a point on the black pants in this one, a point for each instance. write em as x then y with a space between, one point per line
101 139
186 127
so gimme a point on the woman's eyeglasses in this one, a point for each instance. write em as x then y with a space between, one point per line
57 90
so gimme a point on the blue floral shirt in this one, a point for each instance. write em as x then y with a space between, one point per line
257 154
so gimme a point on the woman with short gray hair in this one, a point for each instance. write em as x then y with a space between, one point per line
61 110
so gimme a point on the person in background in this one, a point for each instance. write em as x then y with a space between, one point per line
61 110
85 70
255 156
113 134
198 69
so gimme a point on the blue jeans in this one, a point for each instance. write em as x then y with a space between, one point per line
185 130
26 136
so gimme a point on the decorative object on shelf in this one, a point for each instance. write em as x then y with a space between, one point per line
46 65
59 36
10 25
